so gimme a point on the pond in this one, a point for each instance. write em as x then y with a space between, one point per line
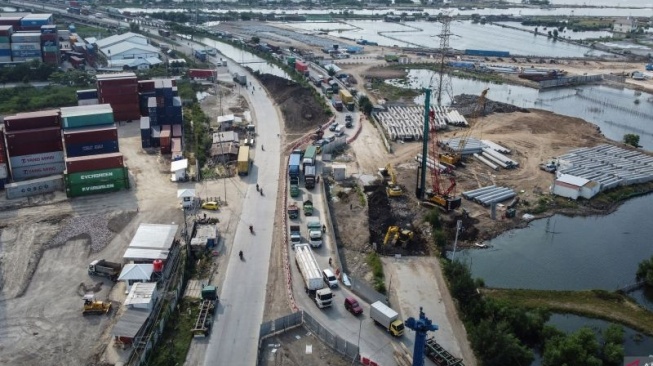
245 58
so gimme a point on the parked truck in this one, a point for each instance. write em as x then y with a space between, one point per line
294 170
347 99
200 55
337 103
295 235
164 33
314 231
243 160
240 79
309 176
312 276
293 211
308 205
105 268
384 316
310 156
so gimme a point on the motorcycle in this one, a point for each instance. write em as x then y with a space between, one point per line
240 254
251 229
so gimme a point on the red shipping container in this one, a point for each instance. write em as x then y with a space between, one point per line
117 89
166 128
32 120
176 131
145 86
32 136
94 162
112 83
93 134
13 21
37 148
116 101
175 145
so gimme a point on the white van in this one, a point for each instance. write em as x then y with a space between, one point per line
339 131
329 278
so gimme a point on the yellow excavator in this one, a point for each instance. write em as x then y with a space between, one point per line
397 236
93 306
392 189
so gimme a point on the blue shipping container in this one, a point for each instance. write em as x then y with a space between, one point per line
2 183
487 53
145 144
146 134
94 148
155 142
87 94
26 53
5 52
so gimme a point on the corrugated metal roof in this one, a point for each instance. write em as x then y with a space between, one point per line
107 41
132 254
178 165
130 323
126 47
136 272
154 236
141 293
571 179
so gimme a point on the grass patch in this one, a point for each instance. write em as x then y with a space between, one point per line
176 338
361 195
374 261
392 92
28 98
600 304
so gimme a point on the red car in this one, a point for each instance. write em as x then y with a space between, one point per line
352 306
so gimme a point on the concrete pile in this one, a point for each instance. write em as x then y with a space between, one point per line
407 123
489 195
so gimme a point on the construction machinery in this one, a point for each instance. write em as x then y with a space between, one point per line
454 158
392 189
442 194
92 306
398 236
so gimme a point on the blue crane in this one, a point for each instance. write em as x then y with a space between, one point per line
420 326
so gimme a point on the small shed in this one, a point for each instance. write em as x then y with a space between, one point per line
187 196
178 170
129 326
226 122
206 237
571 186
154 236
135 273
225 136
142 296
339 172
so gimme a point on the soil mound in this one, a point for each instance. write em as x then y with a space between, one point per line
466 104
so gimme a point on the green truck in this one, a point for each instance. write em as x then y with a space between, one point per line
308 205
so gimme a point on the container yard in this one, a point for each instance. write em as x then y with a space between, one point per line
32 37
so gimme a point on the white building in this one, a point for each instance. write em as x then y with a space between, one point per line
187 196
573 187
624 25
178 170
128 46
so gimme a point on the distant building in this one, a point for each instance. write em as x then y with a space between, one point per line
624 25
128 50
571 186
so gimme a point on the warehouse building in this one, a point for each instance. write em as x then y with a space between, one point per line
573 187
124 49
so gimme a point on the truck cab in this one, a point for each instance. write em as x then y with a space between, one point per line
314 232
295 235
323 298
308 205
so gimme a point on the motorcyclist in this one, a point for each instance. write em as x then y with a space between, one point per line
256 187
251 228
261 191
262 148
240 254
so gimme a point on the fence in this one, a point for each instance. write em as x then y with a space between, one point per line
572 80
301 318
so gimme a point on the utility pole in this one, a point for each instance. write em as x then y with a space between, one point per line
218 93
444 81
459 225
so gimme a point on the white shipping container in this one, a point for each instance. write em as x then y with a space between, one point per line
26 46
87 101
5 46
3 171
36 159
37 171
34 186
5 58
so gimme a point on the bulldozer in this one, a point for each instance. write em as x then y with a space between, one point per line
92 306
392 189
397 236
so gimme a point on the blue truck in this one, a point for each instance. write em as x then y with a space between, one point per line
294 170
200 55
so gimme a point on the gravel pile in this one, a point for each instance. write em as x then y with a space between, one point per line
94 227
465 104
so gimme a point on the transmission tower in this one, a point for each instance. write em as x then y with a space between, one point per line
444 81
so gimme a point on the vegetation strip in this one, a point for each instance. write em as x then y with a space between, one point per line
600 304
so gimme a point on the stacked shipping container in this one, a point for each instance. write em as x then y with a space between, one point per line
165 119
87 97
26 46
50 44
145 92
4 171
93 161
33 144
5 42
121 91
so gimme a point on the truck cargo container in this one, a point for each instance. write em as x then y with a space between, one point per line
94 162
301 67
384 316
200 55
85 189
203 74
310 156
293 211
37 171
309 176
37 159
345 96
243 160
34 186
310 271
294 164
105 268
240 79
96 176
32 120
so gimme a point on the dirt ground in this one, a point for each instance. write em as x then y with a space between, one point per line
299 347
299 109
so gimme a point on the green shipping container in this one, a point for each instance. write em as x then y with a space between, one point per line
88 120
291 62
50 48
95 176
4 39
78 190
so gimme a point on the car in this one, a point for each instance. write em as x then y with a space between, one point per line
348 118
211 205
331 138
333 126
352 306
349 124
329 278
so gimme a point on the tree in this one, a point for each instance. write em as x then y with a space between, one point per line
613 349
578 349
365 105
134 27
256 40
331 71
631 139
645 272
555 33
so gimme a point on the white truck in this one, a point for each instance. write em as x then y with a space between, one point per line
295 235
384 316
312 276
314 231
